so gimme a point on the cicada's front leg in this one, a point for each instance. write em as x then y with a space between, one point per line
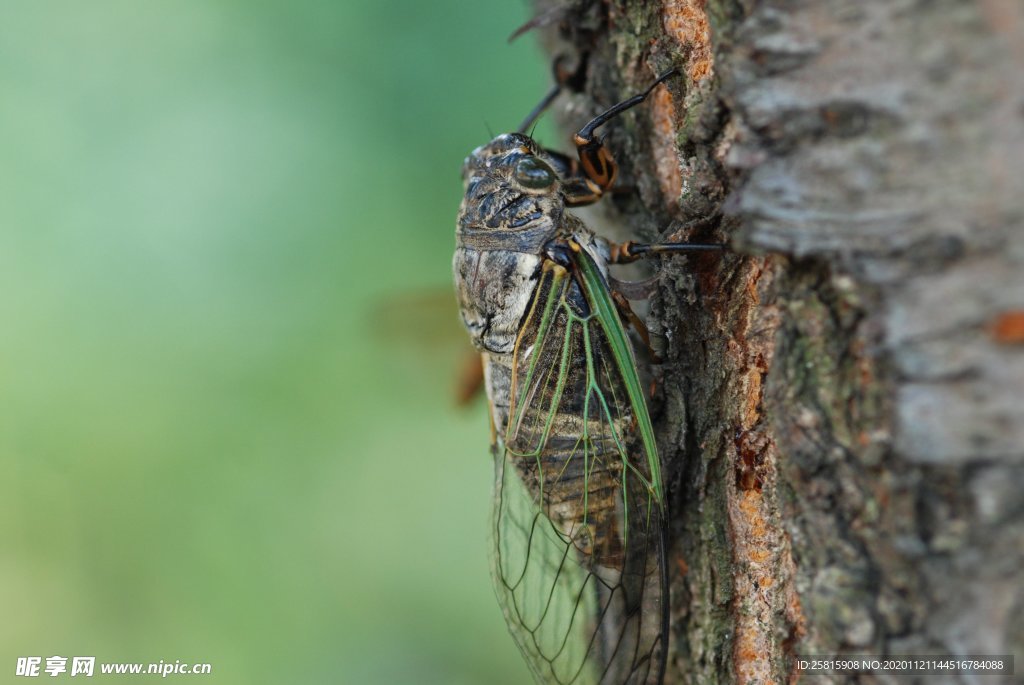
596 162
586 180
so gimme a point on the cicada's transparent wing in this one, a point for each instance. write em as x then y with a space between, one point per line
579 546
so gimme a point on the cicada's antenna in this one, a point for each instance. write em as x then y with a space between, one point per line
545 18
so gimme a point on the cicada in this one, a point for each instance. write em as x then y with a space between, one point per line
578 558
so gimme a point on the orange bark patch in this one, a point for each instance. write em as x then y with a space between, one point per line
763 570
755 360
764 612
752 410
758 556
750 505
666 159
1008 328
750 461
755 552
687 22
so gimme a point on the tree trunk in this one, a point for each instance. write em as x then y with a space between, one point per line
842 396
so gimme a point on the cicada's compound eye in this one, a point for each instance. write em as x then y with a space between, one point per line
533 173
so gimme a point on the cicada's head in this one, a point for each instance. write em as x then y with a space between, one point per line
510 184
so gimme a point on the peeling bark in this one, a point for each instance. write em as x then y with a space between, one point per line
842 415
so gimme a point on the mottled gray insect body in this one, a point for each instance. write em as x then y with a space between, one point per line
578 556
510 210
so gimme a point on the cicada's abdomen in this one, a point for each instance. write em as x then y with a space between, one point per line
593 545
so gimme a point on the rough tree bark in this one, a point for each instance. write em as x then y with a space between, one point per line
843 397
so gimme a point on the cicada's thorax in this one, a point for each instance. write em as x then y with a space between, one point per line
511 210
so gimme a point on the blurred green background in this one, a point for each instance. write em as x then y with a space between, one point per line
228 338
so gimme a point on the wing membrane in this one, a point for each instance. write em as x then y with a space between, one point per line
578 519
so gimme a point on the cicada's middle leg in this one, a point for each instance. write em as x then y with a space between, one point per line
631 251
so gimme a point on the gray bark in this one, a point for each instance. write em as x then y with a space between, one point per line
842 408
